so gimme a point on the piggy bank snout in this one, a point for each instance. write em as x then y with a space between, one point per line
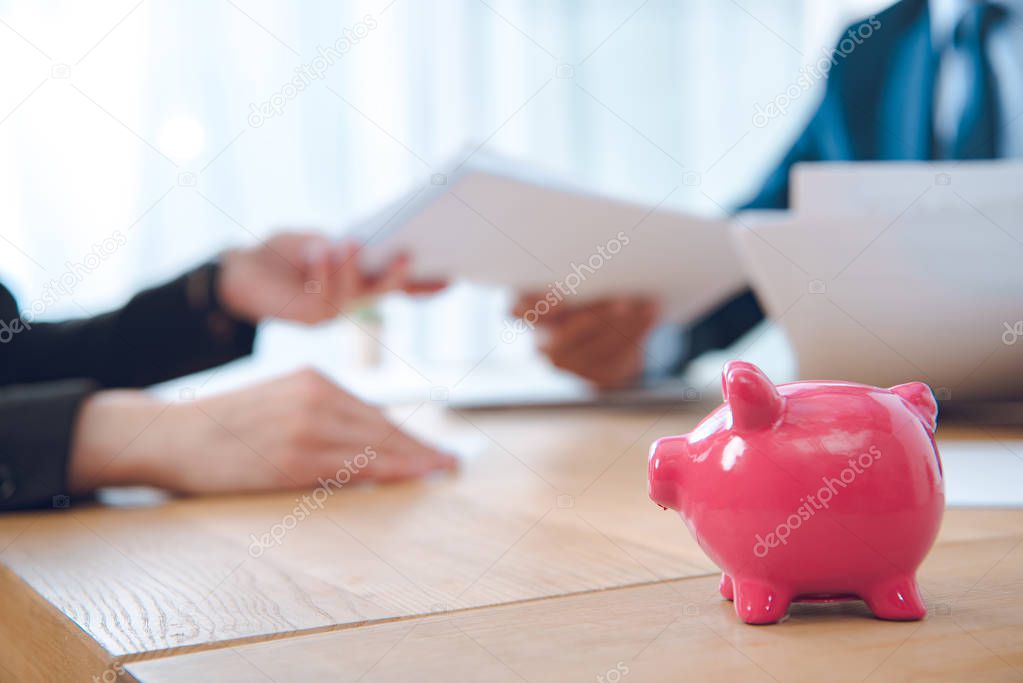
663 471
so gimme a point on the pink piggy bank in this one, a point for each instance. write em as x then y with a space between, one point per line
809 491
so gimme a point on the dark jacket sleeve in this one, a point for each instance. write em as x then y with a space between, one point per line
48 369
738 315
733 318
850 93
36 427
161 333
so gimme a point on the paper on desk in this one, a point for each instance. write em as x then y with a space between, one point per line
892 295
982 473
493 222
852 188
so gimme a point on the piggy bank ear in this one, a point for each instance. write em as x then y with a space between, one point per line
921 401
754 400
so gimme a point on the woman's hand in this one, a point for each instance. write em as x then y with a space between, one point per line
307 278
286 433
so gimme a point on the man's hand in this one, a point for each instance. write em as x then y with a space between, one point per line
305 277
286 433
601 342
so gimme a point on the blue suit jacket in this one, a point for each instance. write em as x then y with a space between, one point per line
877 105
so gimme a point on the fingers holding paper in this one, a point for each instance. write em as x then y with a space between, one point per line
346 280
602 342
308 278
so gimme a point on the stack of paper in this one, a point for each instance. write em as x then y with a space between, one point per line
493 222
886 273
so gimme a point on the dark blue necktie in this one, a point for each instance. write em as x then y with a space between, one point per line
978 132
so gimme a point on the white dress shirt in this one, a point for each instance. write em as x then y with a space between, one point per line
1005 50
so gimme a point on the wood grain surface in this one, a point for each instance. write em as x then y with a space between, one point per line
549 504
675 631
547 524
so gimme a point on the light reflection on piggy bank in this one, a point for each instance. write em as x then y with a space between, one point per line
809 491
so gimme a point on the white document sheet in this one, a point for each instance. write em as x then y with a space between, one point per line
982 473
877 280
493 222
852 188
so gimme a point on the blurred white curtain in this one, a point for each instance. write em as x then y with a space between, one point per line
136 118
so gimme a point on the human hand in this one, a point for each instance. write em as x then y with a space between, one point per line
285 433
307 278
602 342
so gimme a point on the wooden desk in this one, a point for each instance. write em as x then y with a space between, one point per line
542 559
672 631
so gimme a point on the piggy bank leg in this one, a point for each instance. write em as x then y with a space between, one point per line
897 599
759 603
727 592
